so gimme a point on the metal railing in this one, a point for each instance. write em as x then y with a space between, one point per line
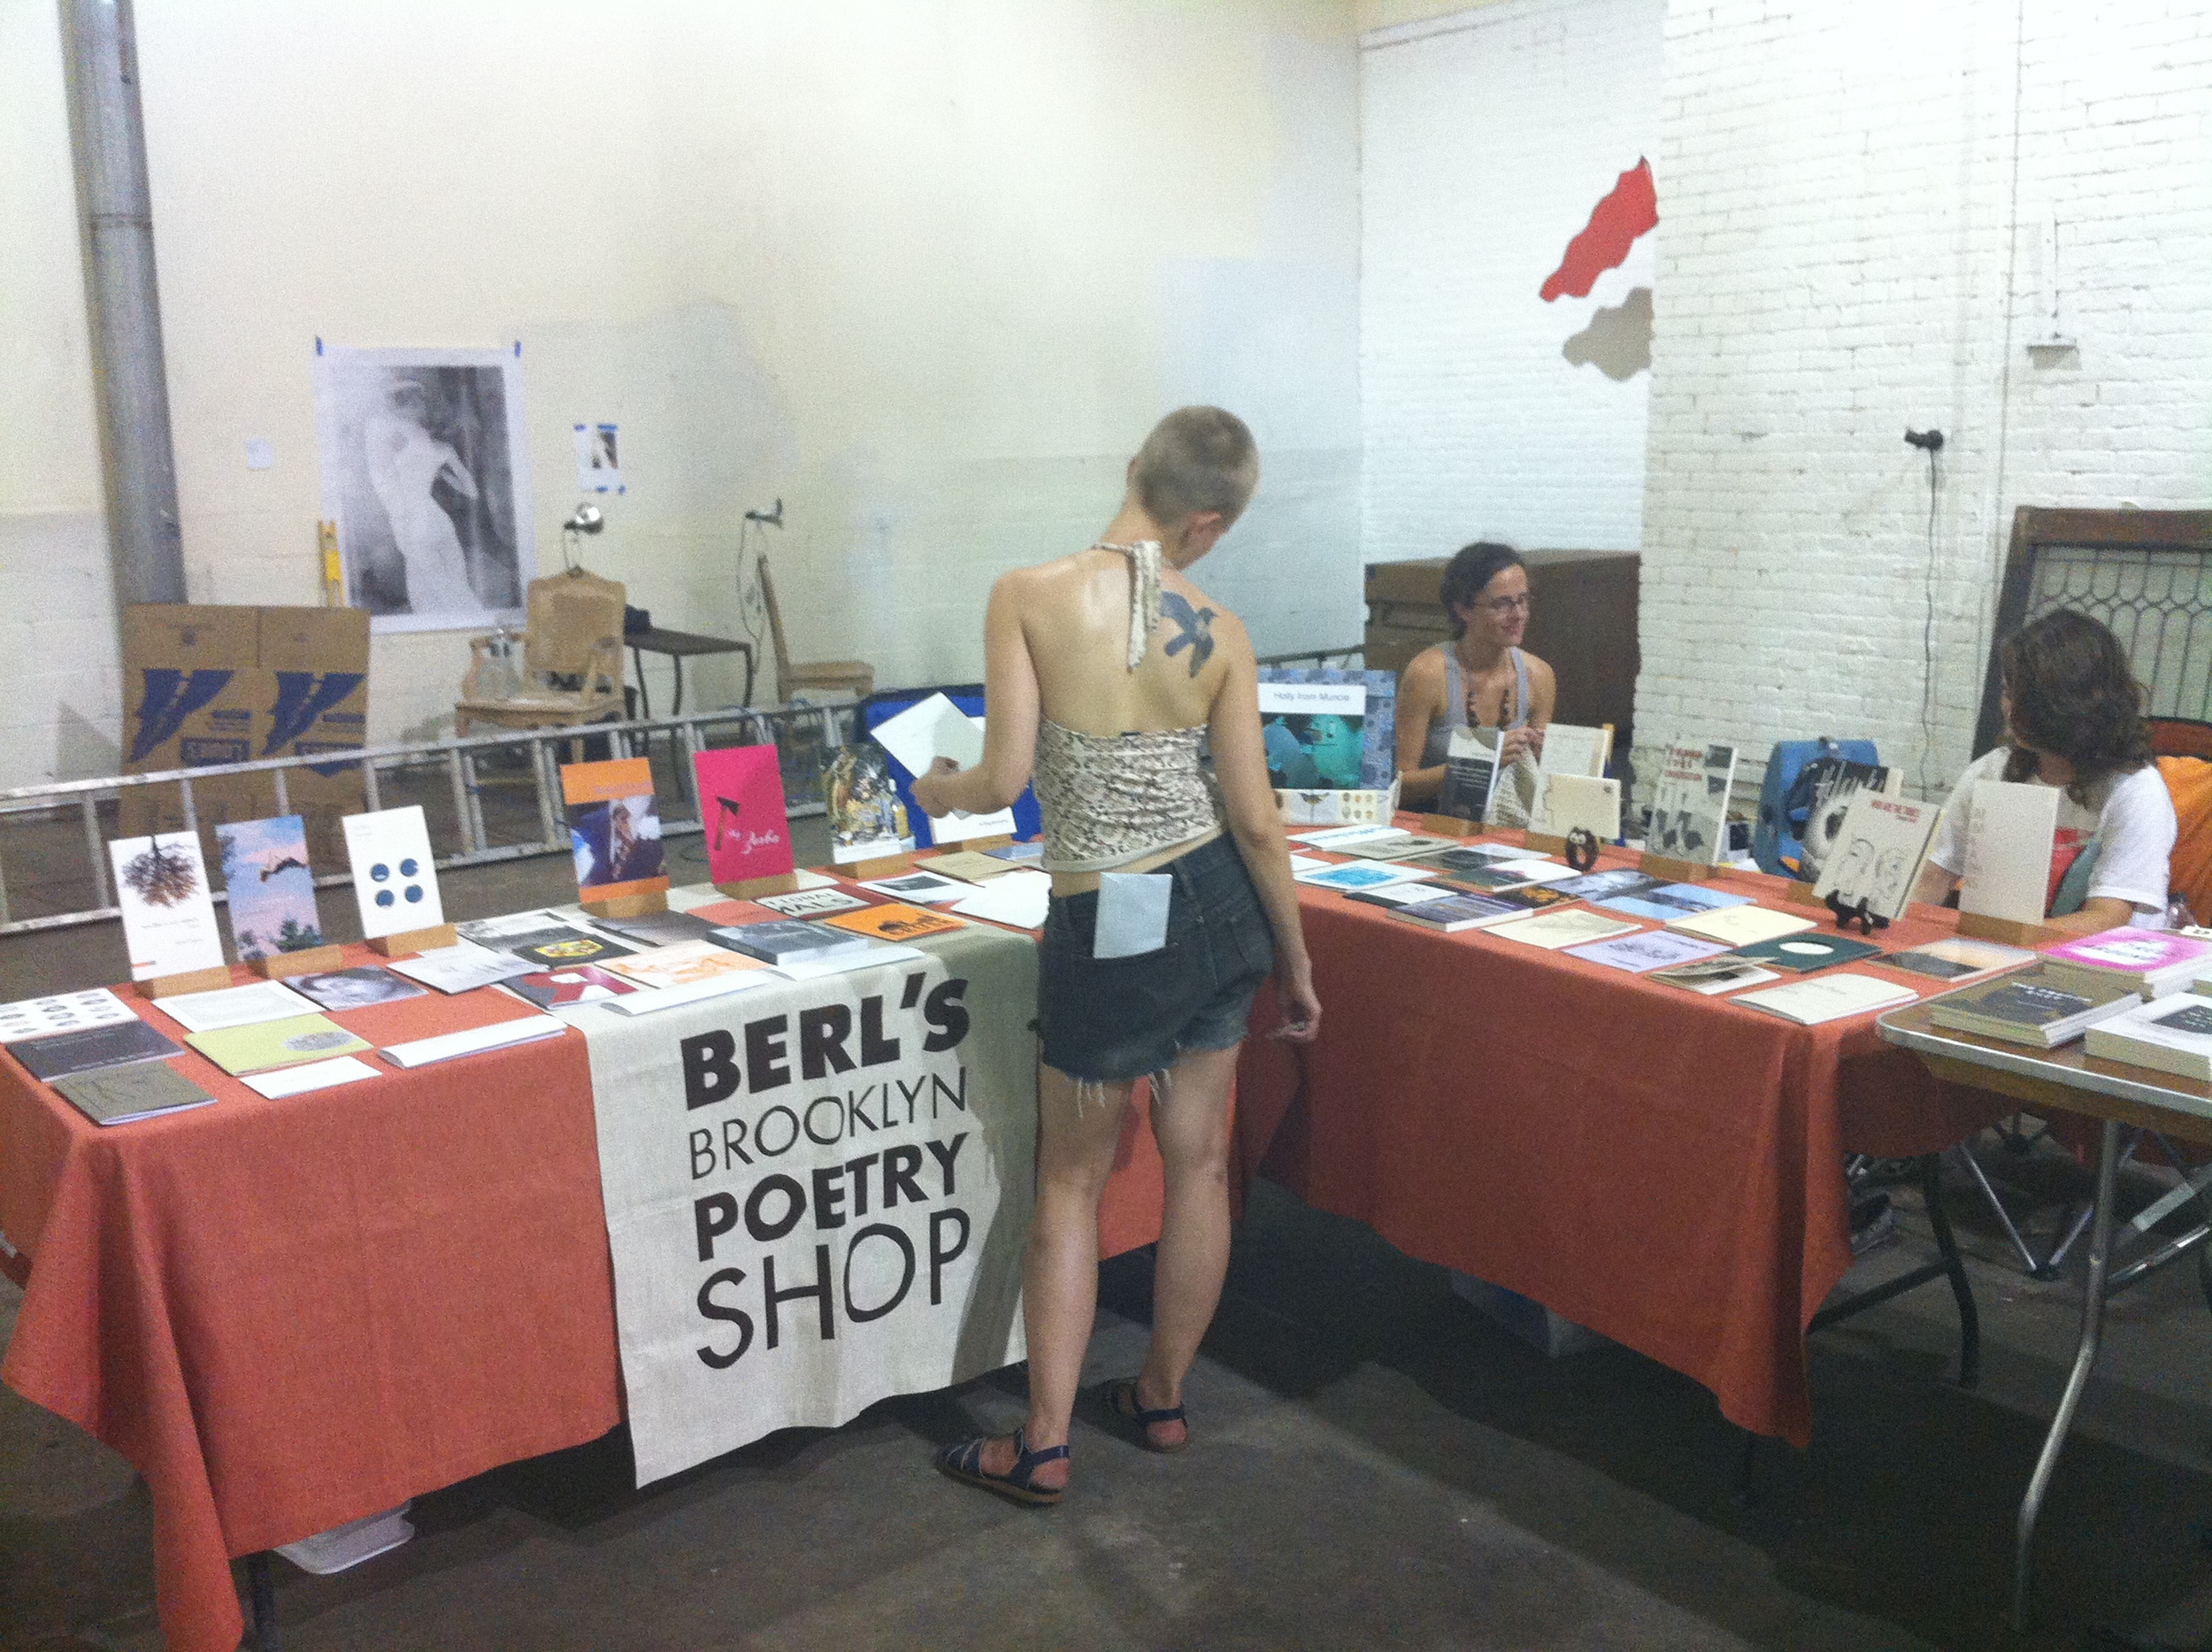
806 737
1316 656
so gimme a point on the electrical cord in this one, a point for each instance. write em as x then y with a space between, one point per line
1927 626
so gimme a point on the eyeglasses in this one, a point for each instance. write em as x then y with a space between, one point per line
1503 606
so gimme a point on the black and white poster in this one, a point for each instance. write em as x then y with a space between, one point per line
425 474
816 1193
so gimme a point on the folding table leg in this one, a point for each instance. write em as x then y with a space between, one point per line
1954 1269
2028 1263
2085 1361
262 1587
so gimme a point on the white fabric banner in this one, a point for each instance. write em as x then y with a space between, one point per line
816 1193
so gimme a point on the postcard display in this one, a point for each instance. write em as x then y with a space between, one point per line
816 1192
1330 742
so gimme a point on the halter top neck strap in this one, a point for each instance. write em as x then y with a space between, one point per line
1144 592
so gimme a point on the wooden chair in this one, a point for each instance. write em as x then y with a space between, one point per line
857 676
571 660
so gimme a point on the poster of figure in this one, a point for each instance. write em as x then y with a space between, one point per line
426 474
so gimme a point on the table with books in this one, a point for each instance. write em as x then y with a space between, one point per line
2109 1029
1618 1113
301 1250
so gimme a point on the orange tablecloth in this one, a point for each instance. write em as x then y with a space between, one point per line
289 1313
1661 1167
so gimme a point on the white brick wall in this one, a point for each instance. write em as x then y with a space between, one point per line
1847 249
1487 138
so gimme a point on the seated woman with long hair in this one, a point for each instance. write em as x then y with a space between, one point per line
1109 675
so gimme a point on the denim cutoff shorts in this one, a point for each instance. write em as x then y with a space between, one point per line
1112 1020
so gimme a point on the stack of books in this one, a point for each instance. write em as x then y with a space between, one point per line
2153 962
2035 1007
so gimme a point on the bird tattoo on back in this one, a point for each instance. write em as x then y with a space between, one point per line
1193 629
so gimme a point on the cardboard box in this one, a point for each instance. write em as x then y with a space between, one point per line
205 685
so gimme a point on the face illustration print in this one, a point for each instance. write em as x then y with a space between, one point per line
1853 872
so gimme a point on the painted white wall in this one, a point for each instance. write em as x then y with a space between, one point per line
927 271
1488 136
1850 247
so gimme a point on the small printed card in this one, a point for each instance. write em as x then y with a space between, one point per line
62 1012
394 879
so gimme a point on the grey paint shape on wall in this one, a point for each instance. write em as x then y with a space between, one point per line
1618 341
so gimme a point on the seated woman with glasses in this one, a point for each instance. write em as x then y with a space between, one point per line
1482 679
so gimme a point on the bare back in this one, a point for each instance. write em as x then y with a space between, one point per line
1074 616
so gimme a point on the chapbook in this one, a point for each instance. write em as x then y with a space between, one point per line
1470 773
792 941
1530 897
265 1044
894 922
659 929
812 903
422 1051
1713 976
614 828
2170 1035
234 1006
1827 998
462 967
168 915
970 866
1455 912
1957 958
498 932
1363 875
1021 899
586 983
1513 874
1571 928
1397 894
1570 802
2154 962
1576 751
2008 832
1670 900
2032 1007
269 888
62 1012
685 963
1689 803
929 887
873 956
1405 846
65 1053
558 948
1801 954
1334 838
1648 949
1876 851
121 1095
355 989
1740 926
279 1082
741 808
395 879
1607 886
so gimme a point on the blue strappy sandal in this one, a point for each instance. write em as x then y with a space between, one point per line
964 1463
1121 1399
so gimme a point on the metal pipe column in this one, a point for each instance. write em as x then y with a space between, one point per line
108 135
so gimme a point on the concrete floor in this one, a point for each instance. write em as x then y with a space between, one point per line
1375 1465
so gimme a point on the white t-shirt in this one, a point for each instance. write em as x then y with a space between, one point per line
2135 828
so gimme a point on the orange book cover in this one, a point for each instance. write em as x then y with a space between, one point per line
614 828
729 914
893 922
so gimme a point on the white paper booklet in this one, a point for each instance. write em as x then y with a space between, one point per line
1828 997
1572 926
874 958
236 1006
652 1000
2168 1034
1652 949
315 1075
463 967
1018 898
168 915
2008 832
1689 803
1878 852
1336 836
422 1051
934 728
395 879
1571 801
1741 926
62 1012
1575 749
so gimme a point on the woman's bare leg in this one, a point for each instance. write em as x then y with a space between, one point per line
1191 1123
1076 1138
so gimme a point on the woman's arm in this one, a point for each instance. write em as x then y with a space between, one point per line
1240 767
1935 885
1420 695
1009 728
1543 695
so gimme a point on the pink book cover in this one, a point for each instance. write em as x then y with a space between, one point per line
2133 951
740 804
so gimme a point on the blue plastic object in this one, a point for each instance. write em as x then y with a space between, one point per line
1787 799
880 707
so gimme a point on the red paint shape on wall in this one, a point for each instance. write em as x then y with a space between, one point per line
1626 212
